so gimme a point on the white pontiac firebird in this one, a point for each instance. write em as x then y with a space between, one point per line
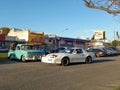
72 55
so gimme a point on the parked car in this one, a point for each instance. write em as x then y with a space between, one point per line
62 49
111 51
25 52
70 56
98 52
45 50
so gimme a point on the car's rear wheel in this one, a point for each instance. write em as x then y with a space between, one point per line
88 60
65 62
23 58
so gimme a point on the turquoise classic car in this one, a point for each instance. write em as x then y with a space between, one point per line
25 52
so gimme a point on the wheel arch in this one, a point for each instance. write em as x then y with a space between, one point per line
10 56
65 57
88 58
21 57
65 61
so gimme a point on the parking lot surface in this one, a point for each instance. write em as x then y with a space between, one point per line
102 74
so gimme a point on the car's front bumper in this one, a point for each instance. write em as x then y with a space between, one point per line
50 60
33 57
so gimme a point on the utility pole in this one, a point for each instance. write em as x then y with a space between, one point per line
114 35
62 36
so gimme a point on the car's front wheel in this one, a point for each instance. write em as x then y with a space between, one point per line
65 62
88 60
23 58
10 57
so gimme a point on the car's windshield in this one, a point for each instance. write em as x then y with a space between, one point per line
66 51
28 47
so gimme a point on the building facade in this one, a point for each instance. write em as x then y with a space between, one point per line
20 35
36 37
26 36
57 41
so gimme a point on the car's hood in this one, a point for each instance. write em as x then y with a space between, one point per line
33 51
58 54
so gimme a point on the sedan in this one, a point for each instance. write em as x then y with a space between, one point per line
72 55
99 52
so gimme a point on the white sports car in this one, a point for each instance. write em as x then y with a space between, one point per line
72 55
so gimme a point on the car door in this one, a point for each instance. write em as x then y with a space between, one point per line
18 52
78 56
81 56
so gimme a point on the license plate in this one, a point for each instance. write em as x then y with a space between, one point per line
49 59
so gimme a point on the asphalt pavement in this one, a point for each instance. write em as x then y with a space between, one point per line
102 74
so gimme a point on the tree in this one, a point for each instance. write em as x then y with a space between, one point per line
115 43
5 30
110 6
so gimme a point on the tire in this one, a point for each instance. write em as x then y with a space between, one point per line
88 60
10 57
65 62
23 58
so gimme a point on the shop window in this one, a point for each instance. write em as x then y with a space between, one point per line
53 41
50 40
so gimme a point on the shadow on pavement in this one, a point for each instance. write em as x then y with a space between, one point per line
94 62
102 61
9 61
16 61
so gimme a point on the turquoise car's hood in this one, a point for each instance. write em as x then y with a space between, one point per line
33 51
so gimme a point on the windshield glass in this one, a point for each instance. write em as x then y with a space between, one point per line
28 47
66 51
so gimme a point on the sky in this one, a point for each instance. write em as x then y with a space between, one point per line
67 18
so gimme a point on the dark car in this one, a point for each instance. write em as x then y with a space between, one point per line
98 52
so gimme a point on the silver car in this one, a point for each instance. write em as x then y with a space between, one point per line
72 55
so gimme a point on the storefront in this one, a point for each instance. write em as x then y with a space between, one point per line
71 42
2 41
3 47
26 36
58 41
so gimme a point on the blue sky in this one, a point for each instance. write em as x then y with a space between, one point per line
55 16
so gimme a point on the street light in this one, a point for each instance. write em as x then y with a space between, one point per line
62 35
64 31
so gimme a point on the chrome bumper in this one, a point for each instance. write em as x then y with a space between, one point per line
34 57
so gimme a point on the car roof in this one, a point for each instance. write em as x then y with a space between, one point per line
23 44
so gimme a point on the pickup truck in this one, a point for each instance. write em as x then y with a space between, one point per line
25 52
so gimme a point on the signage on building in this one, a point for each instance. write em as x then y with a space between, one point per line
99 35
36 37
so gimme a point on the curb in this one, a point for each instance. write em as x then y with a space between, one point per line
3 58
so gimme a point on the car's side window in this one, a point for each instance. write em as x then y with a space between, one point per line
76 51
72 51
79 51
